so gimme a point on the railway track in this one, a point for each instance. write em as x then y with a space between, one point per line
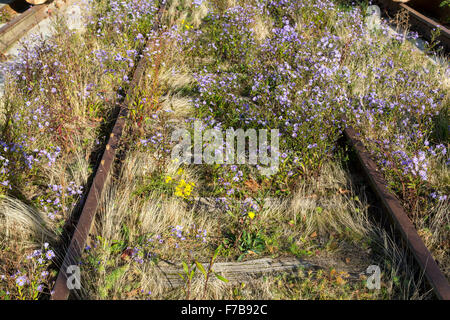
89 208
390 204
90 203
23 21
396 214
9 9
418 21
14 30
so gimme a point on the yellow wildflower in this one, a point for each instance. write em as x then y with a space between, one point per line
179 193
188 190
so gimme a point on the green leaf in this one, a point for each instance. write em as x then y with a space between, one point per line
218 276
444 3
201 268
242 256
125 232
230 213
216 253
185 267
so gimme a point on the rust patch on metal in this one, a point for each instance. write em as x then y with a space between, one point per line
17 27
399 217
419 22
78 242
85 222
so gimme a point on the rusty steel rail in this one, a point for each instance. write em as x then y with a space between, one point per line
89 208
85 222
15 29
419 22
399 217
12 31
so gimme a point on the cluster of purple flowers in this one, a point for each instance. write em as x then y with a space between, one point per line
42 80
52 202
35 275
302 85
15 157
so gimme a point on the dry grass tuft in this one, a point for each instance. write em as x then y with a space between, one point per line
19 221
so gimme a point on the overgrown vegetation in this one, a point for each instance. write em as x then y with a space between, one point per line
58 98
305 68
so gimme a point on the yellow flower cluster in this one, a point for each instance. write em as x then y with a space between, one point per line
186 25
184 189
